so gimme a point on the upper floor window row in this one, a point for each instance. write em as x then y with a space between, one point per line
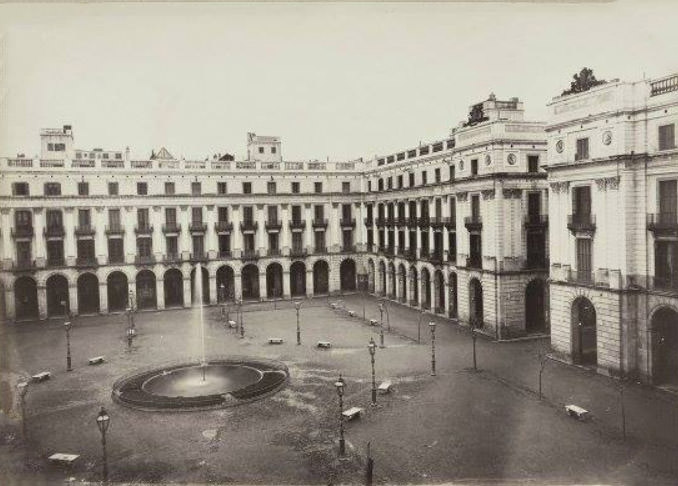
667 137
56 147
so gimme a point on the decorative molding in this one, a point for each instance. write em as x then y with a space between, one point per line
487 194
462 196
606 183
512 193
4 211
558 187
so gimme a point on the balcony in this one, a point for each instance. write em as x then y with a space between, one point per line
144 230
474 261
225 254
198 256
370 248
297 224
171 228
380 221
411 253
320 249
87 261
84 230
55 231
438 221
451 223
320 223
298 252
24 265
536 222
412 222
273 224
581 277
451 256
424 254
423 221
223 226
390 221
663 224
22 232
113 258
348 249
274 252
473 223
666 283
536 262
347 222
249 254
197 227
249 226
436 257
581 223
144 259
56 261
114 229
389 251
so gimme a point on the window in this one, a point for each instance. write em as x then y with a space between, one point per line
533 163
144 247
52 189
452 174
270 187
78 155
224 245
198 246
424 178
222 214
114 218
221 188
273 150
261 150
345 187
533 205
23 219
295 188
389 183
668 205
20 189
319 212
105 156
143 220
272 214
273 242
172 243
581 200
437 175
248 214
84 218
296 213
400 182
475 207
171 216
83 189
319 241
112 188
142 188
118 156
369 186
247 188
411 179
23 253
169 188
318 187
582 149
297 241
474 167
584 259
196 215
667 137
423 150
85 250
54 219
666 264
453 209
196 188
55 252
380 185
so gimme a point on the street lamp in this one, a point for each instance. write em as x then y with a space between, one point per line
103 421
242 322
381 325
474 337
373 349
222 298
297 306
22 388
339 384
67 326
432 326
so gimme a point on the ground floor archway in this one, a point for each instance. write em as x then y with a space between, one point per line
204 286
382 278
298 279
173 283
26 298
439 286
414 285
476 303
274 281
535 308
393 282
146 290
118 290
584 332
57 295
225 284
321 274
88 293
250 282
347 275
664 332
453 309
370 276
402 282
425 288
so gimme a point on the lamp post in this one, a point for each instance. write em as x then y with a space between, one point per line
67 327
339 384
103 421
242 321
372 347
297 306
222 298
22 388
432 326
381 325
474 337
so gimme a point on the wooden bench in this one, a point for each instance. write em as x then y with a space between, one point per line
61 458
576 412
384 387
96 360
352 413
42 376
374 322
232 324
275 340
324 344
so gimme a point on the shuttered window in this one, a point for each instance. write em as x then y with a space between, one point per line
667 137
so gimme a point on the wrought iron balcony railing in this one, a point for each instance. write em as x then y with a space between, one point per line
143 230
197 227
320 223
369 222
24 264
22 232
171 228
536 221
347 222
298 252
88 261
249 226
55 231
223 226
173 258
144 259
249 254
297 224
473 223
84 230
474 262
662 222
273 224
348 249
274 252
115 229
58 261
320 249
581 222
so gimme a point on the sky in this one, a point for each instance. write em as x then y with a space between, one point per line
338 80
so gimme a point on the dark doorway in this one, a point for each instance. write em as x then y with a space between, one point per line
425 289
664 332
415 286
476 303
26 298
117 290
585 343
321 273
535 310
453 295
88 294
274 281
298 279
440 292
250 282
174 288
225 284
146 295
347 275
57 292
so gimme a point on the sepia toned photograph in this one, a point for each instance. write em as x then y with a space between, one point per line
339 243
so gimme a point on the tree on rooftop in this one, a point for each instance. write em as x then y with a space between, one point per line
583 81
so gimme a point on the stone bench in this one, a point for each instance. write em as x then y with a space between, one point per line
65 459
42 376
374 322
576 412
96 360
384 387
333 305
275 340
352 413
351 313
324 344
232 324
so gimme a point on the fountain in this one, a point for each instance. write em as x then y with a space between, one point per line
201 383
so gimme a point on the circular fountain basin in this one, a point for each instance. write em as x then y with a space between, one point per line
180 386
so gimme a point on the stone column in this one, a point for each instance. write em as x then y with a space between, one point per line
237 285
73 298
308 231
187 292
7 247
160 293
100 243
360 226
185 247
10 310
213 289
285 244
42 302
309 283
407 228
128 220
39 250
69 237
211 238
262 285
260 235
236 234
334 230
286 285
103 296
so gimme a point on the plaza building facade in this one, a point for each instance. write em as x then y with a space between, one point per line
613 174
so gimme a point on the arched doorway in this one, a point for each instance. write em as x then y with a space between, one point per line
347 275
414 285
146 295
370 276
382 278
584 332
402 281
117 289
195 291
173 281
535 310
88 293
440 291
321 272
250 282
298 279
274 281
225 279
453 295
26 298
664 332
475 303
425 288
57 292
392 275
